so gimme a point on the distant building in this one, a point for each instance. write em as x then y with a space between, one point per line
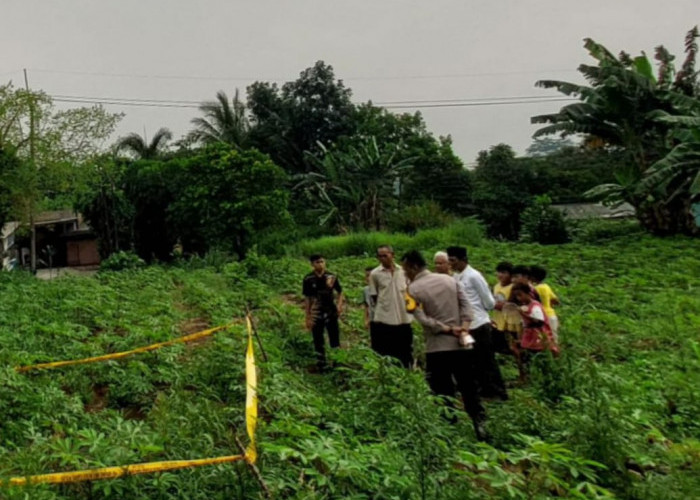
63 239
578 211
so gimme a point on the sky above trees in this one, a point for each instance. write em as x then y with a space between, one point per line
386 51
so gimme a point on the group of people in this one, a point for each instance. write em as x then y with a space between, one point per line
465 322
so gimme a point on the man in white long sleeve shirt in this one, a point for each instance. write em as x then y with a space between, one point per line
489 376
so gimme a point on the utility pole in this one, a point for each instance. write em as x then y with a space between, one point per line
32 150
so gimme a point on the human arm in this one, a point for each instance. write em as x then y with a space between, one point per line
534 314
555 300
466 314
308 318
341 303
478 283
431 323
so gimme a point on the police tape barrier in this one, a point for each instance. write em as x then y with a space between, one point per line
250 456
251 395
117 472
118 355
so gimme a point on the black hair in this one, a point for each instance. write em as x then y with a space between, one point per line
369 269
538 273
414 258
314 257
460 253
521 269
505 267
521 287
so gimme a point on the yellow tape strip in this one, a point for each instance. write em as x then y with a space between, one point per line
251 416
118 355
116 472
251 396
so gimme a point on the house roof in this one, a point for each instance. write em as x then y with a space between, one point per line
55 217
595 211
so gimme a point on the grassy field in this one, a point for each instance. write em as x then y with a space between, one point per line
614 417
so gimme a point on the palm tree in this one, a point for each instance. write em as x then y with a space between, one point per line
224 121
142 149
626 106
354 188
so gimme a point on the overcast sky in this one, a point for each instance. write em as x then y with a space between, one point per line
385 50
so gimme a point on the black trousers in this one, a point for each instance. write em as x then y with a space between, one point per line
325 322
393 340
444 368
488 373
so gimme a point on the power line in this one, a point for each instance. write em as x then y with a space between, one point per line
412 104
475 104
258 78
125 103
475 99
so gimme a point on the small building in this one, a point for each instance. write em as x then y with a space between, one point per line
63 239
578 211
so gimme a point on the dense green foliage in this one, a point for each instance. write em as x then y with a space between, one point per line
543 224
627 106
614 416
218 197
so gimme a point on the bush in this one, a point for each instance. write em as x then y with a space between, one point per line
597 230
122 260
464 231
422 216
543 224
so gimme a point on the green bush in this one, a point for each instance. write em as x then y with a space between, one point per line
543 224
463 231
601 230
122 260
425 215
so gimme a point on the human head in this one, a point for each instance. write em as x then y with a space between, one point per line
385 254
458 258
317 262
521 274
538 274
442 264
368 271
412 263
504 271
521 293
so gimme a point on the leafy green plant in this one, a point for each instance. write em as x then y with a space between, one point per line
543 224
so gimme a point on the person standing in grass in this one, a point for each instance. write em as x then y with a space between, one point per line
322 308
367 300
390 331
504 329
548 298
441 306
537 334
442 263
489 376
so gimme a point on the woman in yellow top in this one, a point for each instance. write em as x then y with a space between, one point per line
548 298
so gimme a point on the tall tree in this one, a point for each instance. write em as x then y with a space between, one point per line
303 114
224 121
354 188
502 191
619 108
141 148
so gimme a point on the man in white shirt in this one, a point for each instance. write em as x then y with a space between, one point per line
489 376
390 329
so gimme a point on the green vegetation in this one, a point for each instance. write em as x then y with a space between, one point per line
614 416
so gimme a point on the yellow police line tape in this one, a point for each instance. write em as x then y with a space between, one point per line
250 456
118 355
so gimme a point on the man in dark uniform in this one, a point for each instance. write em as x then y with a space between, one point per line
322 310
